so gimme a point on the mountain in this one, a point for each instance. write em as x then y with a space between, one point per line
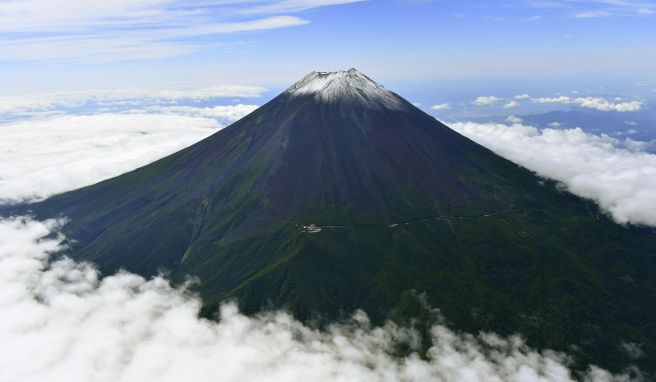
339 194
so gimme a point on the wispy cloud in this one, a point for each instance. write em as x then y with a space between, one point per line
286 6
28 104
533 18
134 29
592 14
597 8
65 16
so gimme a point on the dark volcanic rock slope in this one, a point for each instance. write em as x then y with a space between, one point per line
400 202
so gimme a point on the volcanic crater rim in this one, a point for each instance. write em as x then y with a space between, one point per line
346 86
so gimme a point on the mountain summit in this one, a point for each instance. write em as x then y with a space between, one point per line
347 86
340 195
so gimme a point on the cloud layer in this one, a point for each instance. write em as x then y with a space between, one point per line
52 143
35 103
230 113
61 322
597 103
39 158
618 175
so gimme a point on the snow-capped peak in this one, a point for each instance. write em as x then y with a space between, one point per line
346 85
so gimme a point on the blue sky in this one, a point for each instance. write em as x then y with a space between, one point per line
427 49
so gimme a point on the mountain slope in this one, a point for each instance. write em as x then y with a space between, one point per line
339 194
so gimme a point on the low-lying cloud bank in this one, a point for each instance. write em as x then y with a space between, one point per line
61 322
619 175
53 143
35 103
43 157
230 113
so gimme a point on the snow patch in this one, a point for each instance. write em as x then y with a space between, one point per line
346 85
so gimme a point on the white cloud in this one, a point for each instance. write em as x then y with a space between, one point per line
534 18
486 100
124 45
619 8
61 322
48 101
554 125
441 106
522 96
598 8
91 49
511 104
514 119
56 151
39 158
273 22
102 31
229 113
592 14
619 176
77 15
597 103
34 15
296 5
560 99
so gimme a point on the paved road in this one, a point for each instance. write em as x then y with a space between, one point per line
315 228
